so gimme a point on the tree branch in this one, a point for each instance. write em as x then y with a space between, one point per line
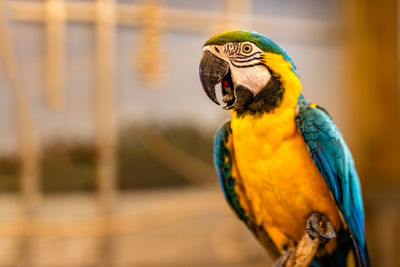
319 230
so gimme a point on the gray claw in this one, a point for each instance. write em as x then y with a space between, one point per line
319 226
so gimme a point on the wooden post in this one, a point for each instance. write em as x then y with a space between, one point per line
387 242
105 120
27 137
54 70
371 33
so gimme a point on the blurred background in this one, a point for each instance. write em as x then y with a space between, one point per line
106 134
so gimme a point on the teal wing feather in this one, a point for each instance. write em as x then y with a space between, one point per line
223 161
334 160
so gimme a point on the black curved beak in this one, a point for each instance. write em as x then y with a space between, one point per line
212 70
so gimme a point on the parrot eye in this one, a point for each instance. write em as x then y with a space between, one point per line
246 48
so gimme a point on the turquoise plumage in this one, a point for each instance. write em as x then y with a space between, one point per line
333 159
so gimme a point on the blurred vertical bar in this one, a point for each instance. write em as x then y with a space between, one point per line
54 53
387 243
27 140
373 53
373 92
105 122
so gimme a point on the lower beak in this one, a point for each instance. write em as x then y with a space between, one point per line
212 70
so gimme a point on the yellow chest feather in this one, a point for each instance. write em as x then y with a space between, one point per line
279 182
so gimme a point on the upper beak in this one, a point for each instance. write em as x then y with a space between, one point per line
212 71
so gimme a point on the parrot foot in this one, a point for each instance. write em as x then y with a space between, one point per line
319 226
319 230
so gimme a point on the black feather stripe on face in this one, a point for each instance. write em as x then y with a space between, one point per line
267 99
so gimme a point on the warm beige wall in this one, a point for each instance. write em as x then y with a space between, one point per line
371 33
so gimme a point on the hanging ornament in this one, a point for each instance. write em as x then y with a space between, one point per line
150 54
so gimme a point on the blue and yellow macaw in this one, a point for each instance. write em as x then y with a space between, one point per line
281 159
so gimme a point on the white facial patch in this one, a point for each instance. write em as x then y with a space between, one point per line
254 78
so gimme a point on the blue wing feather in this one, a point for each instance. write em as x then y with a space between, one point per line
223 165
333 159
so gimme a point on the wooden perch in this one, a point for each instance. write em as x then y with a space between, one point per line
319 230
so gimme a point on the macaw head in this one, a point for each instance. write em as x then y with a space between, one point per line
254 72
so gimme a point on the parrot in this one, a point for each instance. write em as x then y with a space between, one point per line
281 159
